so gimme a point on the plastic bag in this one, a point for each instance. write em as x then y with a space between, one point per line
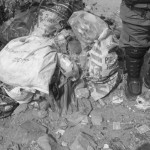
103 65
20 95
101 90
67 67
28 62
103 61
86 26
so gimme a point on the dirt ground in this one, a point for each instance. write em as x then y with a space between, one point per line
112 123
104 7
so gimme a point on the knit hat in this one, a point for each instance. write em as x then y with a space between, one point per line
64 10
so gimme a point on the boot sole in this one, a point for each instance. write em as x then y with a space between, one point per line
130 96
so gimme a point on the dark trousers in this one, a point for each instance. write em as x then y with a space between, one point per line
135 28
135 37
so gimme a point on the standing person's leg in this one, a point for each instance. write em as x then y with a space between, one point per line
135 39
134 62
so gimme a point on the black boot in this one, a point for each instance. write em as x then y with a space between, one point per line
134 62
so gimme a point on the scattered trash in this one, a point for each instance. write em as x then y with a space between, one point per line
117 98
16 73
142 104
87 27
59 74
34 105
106 147
116 126
85 121
64 144
103 65
34 146
60 131
20 95
68 68
143 129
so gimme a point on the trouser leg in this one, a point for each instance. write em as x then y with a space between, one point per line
134 62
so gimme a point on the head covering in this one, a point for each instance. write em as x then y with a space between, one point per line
64 10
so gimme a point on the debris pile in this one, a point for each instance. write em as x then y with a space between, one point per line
61 85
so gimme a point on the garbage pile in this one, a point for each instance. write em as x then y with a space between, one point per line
62 50
59 73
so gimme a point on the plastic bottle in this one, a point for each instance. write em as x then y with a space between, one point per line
106 147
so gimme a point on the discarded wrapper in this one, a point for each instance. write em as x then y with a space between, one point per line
142 103
143 129
20 95
118 97
116 126
60 131
117 100
100 90
106 147
68 68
